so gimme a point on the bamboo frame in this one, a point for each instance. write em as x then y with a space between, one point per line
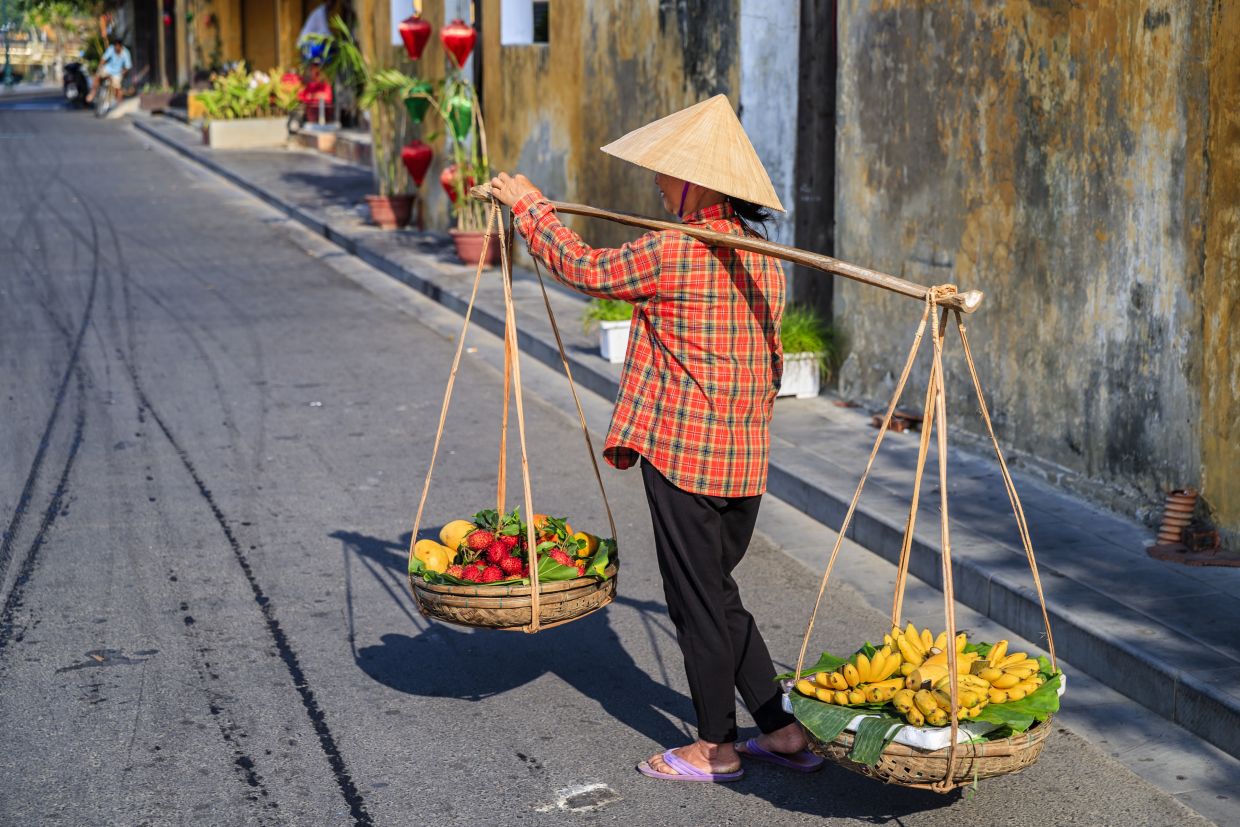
965 302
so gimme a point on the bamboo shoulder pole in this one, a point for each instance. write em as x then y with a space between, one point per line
966 302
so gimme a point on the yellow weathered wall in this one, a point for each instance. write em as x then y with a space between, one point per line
260 38
610 66
228 13
290 15
1220 290
227 27
1053 154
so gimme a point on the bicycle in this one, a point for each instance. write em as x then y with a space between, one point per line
108 95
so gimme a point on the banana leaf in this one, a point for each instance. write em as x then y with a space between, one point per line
873 736
549 570
1020 715
602 558
827 663
825 721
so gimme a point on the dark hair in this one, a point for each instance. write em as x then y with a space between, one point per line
750 214
116 39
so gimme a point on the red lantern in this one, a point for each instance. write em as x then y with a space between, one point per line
447 180
458 38
416 157
415 32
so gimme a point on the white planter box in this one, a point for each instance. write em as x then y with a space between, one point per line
247 133
800 376
613 340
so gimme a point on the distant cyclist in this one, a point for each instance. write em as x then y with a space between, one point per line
112 67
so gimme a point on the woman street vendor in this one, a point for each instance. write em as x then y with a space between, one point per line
696 395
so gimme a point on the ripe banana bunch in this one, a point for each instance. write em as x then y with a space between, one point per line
923 649
863 680
1010 677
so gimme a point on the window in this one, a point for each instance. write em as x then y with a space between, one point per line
524 22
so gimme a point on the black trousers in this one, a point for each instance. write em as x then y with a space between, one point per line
699 541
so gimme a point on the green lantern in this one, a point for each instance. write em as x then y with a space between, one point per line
418 101
459 113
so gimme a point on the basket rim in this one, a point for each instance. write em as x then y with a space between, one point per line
507 590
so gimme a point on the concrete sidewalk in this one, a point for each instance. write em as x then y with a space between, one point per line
1161 634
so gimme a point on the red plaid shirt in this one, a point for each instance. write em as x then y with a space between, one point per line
704 356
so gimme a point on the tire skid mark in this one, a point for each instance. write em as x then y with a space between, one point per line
243 764
73 368
318 719
228 727
16 594
292 664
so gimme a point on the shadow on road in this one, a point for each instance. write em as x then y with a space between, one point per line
836 793
443 661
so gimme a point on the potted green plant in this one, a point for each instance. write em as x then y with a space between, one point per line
811 351
459 108
155 98
389 208
245 109
612 318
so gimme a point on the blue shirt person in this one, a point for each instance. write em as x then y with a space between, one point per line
116 60
112 65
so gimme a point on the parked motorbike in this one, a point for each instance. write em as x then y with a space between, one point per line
76 84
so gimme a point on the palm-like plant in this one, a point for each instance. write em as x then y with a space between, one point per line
344 63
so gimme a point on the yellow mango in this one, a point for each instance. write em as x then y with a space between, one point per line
454 533
434 556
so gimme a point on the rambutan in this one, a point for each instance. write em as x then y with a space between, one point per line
497 552
492 574
511 566
479 539
456 571
472 573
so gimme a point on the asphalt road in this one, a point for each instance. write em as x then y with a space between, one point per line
215 432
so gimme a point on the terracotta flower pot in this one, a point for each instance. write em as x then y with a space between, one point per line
390 212
469 246
1177 516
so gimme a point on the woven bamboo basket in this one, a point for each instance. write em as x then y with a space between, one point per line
926 769
509 607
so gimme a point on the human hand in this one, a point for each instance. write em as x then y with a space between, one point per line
508 190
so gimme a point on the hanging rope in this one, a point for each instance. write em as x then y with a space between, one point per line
512 388
934 420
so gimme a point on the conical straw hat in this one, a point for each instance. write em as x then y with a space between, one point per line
705 145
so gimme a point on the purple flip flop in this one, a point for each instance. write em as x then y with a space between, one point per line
803 761
687 772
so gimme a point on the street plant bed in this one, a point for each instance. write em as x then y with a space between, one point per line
887 711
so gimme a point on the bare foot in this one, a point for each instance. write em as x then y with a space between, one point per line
786 741
708 757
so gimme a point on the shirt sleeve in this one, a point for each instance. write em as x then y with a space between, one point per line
629 273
